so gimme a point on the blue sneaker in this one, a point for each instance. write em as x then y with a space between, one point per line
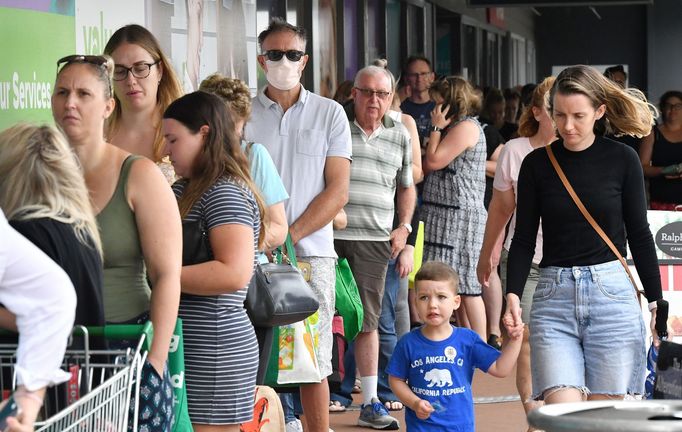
376 416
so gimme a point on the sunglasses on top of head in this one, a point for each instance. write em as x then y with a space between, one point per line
78 58
276 55
95 60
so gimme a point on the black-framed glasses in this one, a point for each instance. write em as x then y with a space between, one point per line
78 58
672 107
381 94
139 70
416 75
276 55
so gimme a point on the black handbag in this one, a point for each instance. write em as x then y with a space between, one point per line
278 293
195 245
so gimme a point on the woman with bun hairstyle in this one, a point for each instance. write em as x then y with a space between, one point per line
44 197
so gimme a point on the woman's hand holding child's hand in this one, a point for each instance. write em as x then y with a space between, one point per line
513 326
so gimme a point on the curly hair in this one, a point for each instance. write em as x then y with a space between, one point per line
234 92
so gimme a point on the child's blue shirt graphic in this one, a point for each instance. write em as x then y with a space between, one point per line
441 372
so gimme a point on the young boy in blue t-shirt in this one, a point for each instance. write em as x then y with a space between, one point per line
432 367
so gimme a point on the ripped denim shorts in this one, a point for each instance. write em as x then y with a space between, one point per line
587 332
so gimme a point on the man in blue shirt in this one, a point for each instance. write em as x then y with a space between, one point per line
419 76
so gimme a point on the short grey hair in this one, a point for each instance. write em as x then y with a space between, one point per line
278 25
375 70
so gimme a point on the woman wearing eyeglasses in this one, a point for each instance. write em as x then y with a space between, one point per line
661 155
138 219
452 201
144 85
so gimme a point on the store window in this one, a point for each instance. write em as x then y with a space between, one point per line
324 53
376 36
394 37
350 38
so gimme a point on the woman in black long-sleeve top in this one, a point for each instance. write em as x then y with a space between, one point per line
587 333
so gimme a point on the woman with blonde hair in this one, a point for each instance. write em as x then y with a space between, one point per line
217 196
584 299
452 201
44 197
138 220
537 130
144 85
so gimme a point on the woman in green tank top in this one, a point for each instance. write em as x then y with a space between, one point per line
136 210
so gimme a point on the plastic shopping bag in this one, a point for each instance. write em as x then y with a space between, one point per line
293 359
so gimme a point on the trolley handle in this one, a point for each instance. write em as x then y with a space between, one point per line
118 331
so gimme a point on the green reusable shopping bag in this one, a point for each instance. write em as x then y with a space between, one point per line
176 367
348 301
176 363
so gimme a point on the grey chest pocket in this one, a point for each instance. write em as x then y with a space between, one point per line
310 142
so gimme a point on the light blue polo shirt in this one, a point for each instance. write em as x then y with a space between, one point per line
299 141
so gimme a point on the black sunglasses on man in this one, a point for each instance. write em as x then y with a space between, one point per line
276 55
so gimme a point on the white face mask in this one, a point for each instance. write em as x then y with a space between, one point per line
283 74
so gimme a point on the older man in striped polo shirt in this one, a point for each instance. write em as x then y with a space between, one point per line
382 168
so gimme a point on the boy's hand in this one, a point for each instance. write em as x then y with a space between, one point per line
514 330
423 409
512 317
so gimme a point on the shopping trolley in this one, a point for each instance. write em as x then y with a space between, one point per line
103 384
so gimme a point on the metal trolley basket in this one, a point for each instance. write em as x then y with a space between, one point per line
104 381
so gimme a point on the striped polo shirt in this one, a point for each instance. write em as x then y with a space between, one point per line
381 162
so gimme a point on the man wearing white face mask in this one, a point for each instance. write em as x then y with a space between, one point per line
308 137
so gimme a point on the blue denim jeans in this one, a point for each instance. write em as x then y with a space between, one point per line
344 395
387 330
289 404
587 332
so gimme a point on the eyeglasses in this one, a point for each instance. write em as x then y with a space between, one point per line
139 70
381 94
416 75
672 107
276 55
77 58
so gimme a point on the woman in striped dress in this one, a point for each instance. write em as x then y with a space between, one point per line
221 351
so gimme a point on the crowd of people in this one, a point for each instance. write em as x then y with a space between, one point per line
101 205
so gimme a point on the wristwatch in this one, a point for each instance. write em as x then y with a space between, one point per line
436 129
408 227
